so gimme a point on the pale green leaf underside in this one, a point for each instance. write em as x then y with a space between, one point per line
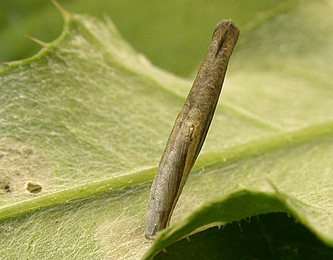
88 118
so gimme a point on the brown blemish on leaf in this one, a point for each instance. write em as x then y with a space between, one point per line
4 187
33 187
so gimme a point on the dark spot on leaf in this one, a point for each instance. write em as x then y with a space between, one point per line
5 186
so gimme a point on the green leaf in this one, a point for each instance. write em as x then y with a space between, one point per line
85 121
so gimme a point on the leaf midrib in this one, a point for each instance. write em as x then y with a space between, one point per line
220 158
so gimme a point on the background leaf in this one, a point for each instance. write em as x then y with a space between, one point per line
88 117
158 29
271 236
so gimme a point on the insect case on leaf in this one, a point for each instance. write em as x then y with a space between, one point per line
190 129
